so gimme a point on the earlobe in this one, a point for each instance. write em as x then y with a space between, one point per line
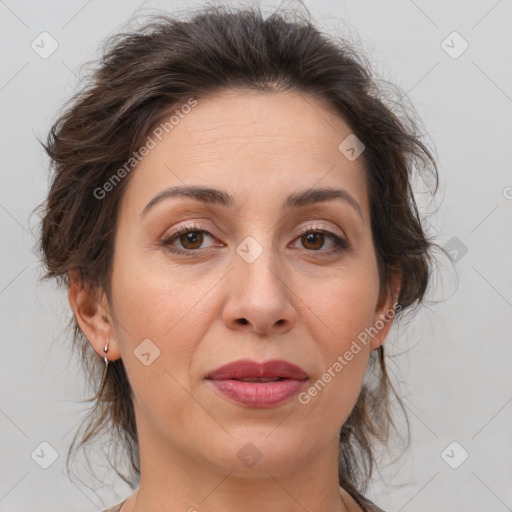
91 311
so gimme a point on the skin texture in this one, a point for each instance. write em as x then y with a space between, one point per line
301 300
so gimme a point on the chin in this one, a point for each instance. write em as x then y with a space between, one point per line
258 452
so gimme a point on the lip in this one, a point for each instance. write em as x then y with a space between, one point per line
258 393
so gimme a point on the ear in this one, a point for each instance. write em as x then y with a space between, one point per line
386 309
93 315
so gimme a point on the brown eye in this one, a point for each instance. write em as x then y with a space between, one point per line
322 240
187 239
313 241
191 240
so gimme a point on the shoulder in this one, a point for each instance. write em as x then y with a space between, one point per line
115 508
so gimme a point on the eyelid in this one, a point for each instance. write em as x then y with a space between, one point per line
193 226
322 227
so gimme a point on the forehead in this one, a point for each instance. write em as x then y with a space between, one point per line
257 145
290 123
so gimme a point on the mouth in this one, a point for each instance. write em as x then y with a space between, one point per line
254 384
262 379
245 369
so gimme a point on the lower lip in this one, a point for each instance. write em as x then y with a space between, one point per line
259 394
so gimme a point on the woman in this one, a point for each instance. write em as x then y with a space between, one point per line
231 212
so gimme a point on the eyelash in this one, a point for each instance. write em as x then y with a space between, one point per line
167 240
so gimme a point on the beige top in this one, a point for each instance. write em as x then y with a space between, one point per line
365 504
115 508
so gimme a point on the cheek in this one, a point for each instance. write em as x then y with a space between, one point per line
346 307
167 320
157 314
156 300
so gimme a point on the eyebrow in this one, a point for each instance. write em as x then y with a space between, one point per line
214 196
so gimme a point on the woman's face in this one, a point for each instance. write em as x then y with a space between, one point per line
246 283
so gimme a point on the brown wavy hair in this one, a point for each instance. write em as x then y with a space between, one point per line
147 72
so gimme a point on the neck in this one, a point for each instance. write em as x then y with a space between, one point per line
171 480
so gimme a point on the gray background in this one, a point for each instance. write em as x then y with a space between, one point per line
455 357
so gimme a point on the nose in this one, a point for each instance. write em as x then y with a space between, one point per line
259 297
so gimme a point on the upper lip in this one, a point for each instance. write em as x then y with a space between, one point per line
248 369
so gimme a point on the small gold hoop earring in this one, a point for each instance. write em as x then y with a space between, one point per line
104 377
